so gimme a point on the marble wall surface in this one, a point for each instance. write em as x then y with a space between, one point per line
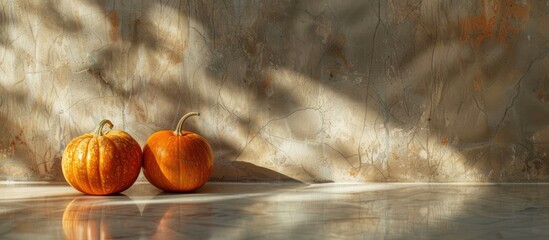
315 91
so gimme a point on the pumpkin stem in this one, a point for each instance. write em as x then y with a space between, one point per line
99 129
178 129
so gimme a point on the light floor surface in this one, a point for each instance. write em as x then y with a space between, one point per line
279 211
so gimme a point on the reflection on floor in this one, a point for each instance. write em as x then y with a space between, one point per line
279 211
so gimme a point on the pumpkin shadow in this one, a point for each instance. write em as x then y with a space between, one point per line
253 173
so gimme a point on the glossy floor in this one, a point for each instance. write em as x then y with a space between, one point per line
279 211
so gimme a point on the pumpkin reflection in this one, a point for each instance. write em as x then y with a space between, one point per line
101 218
178 220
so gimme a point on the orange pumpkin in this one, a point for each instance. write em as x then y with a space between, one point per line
177 161
102 164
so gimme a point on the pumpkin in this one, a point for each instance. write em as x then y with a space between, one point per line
177 161
111 217
102 164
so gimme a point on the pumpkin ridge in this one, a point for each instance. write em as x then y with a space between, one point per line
125 158
166 171
83 146
69 172
122 140
92 165
72 166
158 155
101 159
195 160
197 141
163 146
177 148
119 143
193 157
89 157
163 169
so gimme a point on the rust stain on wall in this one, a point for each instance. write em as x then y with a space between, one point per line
499 20
336 49
543 92
444 141
477 84
250 47
114 21
17 140
267 82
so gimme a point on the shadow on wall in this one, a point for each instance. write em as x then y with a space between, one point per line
353 91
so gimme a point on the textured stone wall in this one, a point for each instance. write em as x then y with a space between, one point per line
321 91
